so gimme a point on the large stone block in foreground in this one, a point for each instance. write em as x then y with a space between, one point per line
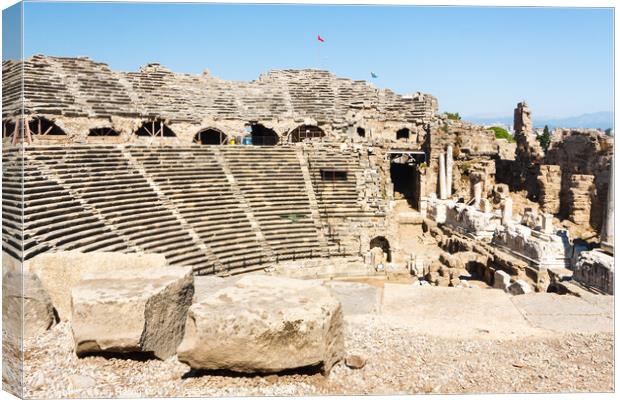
24 301
60 271
264 324
132 311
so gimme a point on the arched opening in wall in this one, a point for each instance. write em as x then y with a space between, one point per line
403 134
383 244
155 128
103 132
210 136
305 132
8 128
405 175
263 136
361 132
44 127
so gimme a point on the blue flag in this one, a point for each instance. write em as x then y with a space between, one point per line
373 75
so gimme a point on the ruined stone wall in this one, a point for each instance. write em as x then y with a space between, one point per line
580 198
474 148
79 94
582 152
549 181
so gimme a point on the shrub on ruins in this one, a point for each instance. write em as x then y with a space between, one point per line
545 138
453 116
501 133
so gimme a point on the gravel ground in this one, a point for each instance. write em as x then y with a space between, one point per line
398 362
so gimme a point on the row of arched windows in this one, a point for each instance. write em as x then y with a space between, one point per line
260 134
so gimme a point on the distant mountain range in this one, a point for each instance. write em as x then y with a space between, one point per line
601 120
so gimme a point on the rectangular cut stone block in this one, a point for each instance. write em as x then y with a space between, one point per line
60 271
131 311
264 324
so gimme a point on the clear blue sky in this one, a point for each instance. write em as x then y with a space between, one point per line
477 61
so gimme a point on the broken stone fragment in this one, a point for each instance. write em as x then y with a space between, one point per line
519 287
264 324
501 280
60 271
355 362
142 311
25 301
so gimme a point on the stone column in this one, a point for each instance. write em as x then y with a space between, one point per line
507 211
607 233
547 223
449 161
442 176
477 194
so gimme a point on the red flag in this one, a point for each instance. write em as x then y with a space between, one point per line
319 38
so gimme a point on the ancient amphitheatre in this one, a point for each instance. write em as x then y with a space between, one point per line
299 234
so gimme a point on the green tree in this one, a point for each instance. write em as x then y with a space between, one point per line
454 116
545 138
501 133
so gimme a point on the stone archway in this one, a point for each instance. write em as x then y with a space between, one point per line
155 128
263 136
382 243
108 132
210 136
305 132
40 126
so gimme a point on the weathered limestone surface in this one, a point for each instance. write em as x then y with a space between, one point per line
59 272
519 287
595 268
140 311
550 185
469 220
501 280
90 90
523 118
580 200
543 250
37 314
264 324
583 152
529 152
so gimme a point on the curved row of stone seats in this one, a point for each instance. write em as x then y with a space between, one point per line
52 219
12 204
104 179
195 183
336 198
272 182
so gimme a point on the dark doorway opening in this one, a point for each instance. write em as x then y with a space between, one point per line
305 132
103 132
210 137
155 128
361 132
263 136
402 134
405 178
383 244
8 128
42 127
